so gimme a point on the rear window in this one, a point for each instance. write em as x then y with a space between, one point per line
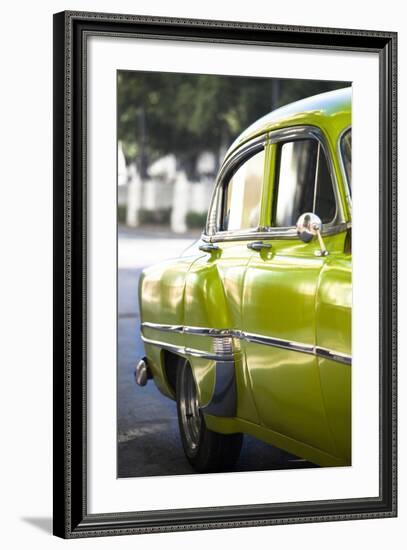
346 152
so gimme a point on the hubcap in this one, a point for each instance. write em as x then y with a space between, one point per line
189 410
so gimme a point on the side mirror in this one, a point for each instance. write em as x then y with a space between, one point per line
309 225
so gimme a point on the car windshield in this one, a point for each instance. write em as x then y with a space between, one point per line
346 152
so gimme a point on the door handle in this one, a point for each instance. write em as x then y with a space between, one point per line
258 246
208 247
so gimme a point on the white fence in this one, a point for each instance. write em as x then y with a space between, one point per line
178 194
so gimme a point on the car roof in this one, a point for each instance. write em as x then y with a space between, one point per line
329 110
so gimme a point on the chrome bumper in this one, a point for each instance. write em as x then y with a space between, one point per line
142 372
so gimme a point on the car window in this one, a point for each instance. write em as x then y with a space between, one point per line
242 194
346 151
303 183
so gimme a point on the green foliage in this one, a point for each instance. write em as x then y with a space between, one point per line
195 220
156 217
121 214
184 114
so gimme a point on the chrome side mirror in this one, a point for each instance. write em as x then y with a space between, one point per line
309 225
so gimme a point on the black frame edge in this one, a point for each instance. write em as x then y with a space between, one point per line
388 270
59 504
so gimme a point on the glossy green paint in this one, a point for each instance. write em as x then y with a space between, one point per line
298 401
213 296
333 331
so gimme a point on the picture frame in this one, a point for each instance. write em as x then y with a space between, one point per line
71 512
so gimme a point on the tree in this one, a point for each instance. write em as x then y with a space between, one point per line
185 114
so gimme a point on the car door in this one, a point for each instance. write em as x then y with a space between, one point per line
214 284
280 293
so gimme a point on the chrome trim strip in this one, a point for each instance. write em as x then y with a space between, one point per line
164 345
279 343
163 328
241 335
333 355
200 331
189 351
208 355
280 233
214 332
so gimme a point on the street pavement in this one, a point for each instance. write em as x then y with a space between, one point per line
148 439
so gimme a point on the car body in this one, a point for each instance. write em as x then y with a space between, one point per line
259 309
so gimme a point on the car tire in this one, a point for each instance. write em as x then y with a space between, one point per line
206 451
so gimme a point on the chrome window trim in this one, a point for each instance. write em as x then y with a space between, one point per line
247 150
263 234
338 223
240 335
348 192
240 154
313 132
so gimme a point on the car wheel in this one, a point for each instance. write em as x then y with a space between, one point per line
207 451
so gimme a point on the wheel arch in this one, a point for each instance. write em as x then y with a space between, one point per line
170 363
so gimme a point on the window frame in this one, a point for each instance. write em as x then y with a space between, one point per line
215 212
226 180
266 140
276 177
346 184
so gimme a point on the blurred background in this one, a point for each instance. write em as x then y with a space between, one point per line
173 131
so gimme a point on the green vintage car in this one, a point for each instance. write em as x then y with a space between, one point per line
250 329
